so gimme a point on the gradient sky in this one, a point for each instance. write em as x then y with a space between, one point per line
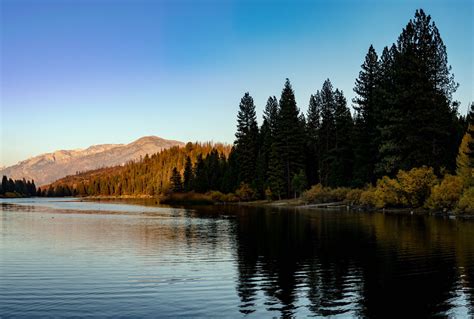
77 73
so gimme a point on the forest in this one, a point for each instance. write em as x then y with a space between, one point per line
405 144
17 188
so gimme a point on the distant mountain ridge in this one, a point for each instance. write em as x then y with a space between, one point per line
48 167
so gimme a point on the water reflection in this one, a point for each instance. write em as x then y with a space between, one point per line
367 265
233 261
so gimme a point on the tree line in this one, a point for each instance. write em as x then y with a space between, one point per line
405 117
152 174
17 188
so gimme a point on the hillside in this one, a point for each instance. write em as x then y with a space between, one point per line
151 175
47 168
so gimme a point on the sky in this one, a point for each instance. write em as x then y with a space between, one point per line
84 72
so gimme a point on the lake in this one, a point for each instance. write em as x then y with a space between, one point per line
66 257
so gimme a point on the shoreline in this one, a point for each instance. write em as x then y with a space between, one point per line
284 203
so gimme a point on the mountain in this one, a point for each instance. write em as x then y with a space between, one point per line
47 168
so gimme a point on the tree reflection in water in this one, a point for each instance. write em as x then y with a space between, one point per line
369 265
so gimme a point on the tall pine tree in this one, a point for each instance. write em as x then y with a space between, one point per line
176 182
366 135
420 124
313 149
289 137
342 153
188 175
246 143
327 131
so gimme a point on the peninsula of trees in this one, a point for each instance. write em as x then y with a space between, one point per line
401 146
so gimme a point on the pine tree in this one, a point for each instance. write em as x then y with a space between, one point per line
266 140
420 124
289 136
313 126
366 135
270 114
176 182
201 182
342 154
388 116
231 173
50 192
5 185
276 173
299 183
188 175
213 170
246 144
327 131
11 185
268 129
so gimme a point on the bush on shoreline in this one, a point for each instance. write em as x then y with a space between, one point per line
319 194
446 195
416 188
408 189
211 197
466 202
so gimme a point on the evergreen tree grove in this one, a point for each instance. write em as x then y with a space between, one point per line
17 188
404 118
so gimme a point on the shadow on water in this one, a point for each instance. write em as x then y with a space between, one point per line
367 265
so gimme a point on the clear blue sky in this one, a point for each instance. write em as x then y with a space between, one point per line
76 73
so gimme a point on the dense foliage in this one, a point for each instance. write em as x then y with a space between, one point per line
17 188
153 174
404 118
402 139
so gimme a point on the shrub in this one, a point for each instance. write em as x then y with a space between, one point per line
230 198
387 193
245 192
338 194
446 195
409 188
466 202
11 195
384 194
319 194
368 198
298 183
268 193
186 198
416 184
216 196
316 194
353 196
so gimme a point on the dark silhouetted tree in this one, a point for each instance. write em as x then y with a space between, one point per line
176 181
246 143
289 137
188 175
366 135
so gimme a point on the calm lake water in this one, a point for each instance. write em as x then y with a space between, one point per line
65 257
